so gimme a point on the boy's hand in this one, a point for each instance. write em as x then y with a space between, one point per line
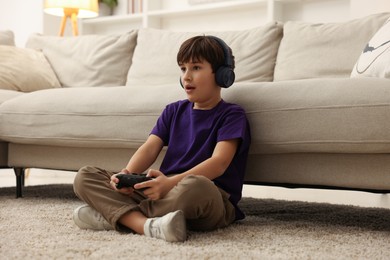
158 187
114 180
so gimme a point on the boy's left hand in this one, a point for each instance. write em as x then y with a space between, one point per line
158 187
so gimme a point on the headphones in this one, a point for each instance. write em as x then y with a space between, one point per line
224 76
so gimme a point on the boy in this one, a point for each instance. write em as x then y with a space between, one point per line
200 179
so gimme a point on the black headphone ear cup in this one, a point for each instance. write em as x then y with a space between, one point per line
225 77
181 83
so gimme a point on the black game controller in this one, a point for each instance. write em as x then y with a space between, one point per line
129 180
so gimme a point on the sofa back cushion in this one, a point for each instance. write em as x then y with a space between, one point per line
323 50
7 38
154 60
89 60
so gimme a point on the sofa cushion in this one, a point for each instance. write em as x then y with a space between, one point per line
155 63
8 94
374 61
88 60
7 38
315 115
25 70
323 50
350 115
115 117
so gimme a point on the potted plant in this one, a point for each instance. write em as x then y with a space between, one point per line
106 7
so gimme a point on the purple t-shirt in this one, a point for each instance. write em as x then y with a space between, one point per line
191 136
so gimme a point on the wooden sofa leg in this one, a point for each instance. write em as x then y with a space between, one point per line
19 173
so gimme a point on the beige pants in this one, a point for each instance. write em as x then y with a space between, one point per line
205 206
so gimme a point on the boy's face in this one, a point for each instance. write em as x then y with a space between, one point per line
199 83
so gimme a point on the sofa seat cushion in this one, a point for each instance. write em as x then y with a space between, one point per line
317 115
115 117
6 94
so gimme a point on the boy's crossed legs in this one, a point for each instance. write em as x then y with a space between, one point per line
194 202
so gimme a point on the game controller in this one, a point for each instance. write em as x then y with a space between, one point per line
129 180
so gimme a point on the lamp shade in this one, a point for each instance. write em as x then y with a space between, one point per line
86 8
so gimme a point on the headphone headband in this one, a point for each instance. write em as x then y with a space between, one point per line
224 76
226 51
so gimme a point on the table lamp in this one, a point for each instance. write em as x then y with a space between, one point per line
71 9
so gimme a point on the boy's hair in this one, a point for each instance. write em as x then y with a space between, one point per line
200 48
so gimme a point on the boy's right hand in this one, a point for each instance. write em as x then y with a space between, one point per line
114 180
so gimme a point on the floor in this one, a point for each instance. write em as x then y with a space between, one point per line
363 199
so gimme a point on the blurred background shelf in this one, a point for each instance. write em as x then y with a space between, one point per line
179 15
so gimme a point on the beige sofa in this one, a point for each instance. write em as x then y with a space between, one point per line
312 124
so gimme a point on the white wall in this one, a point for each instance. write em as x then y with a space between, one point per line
317 11
23 17
361 8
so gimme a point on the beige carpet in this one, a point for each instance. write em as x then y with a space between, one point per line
40 226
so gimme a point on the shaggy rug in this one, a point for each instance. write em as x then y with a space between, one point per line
40 226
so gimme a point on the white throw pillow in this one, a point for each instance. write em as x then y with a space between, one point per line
88 60
374 60
25 70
